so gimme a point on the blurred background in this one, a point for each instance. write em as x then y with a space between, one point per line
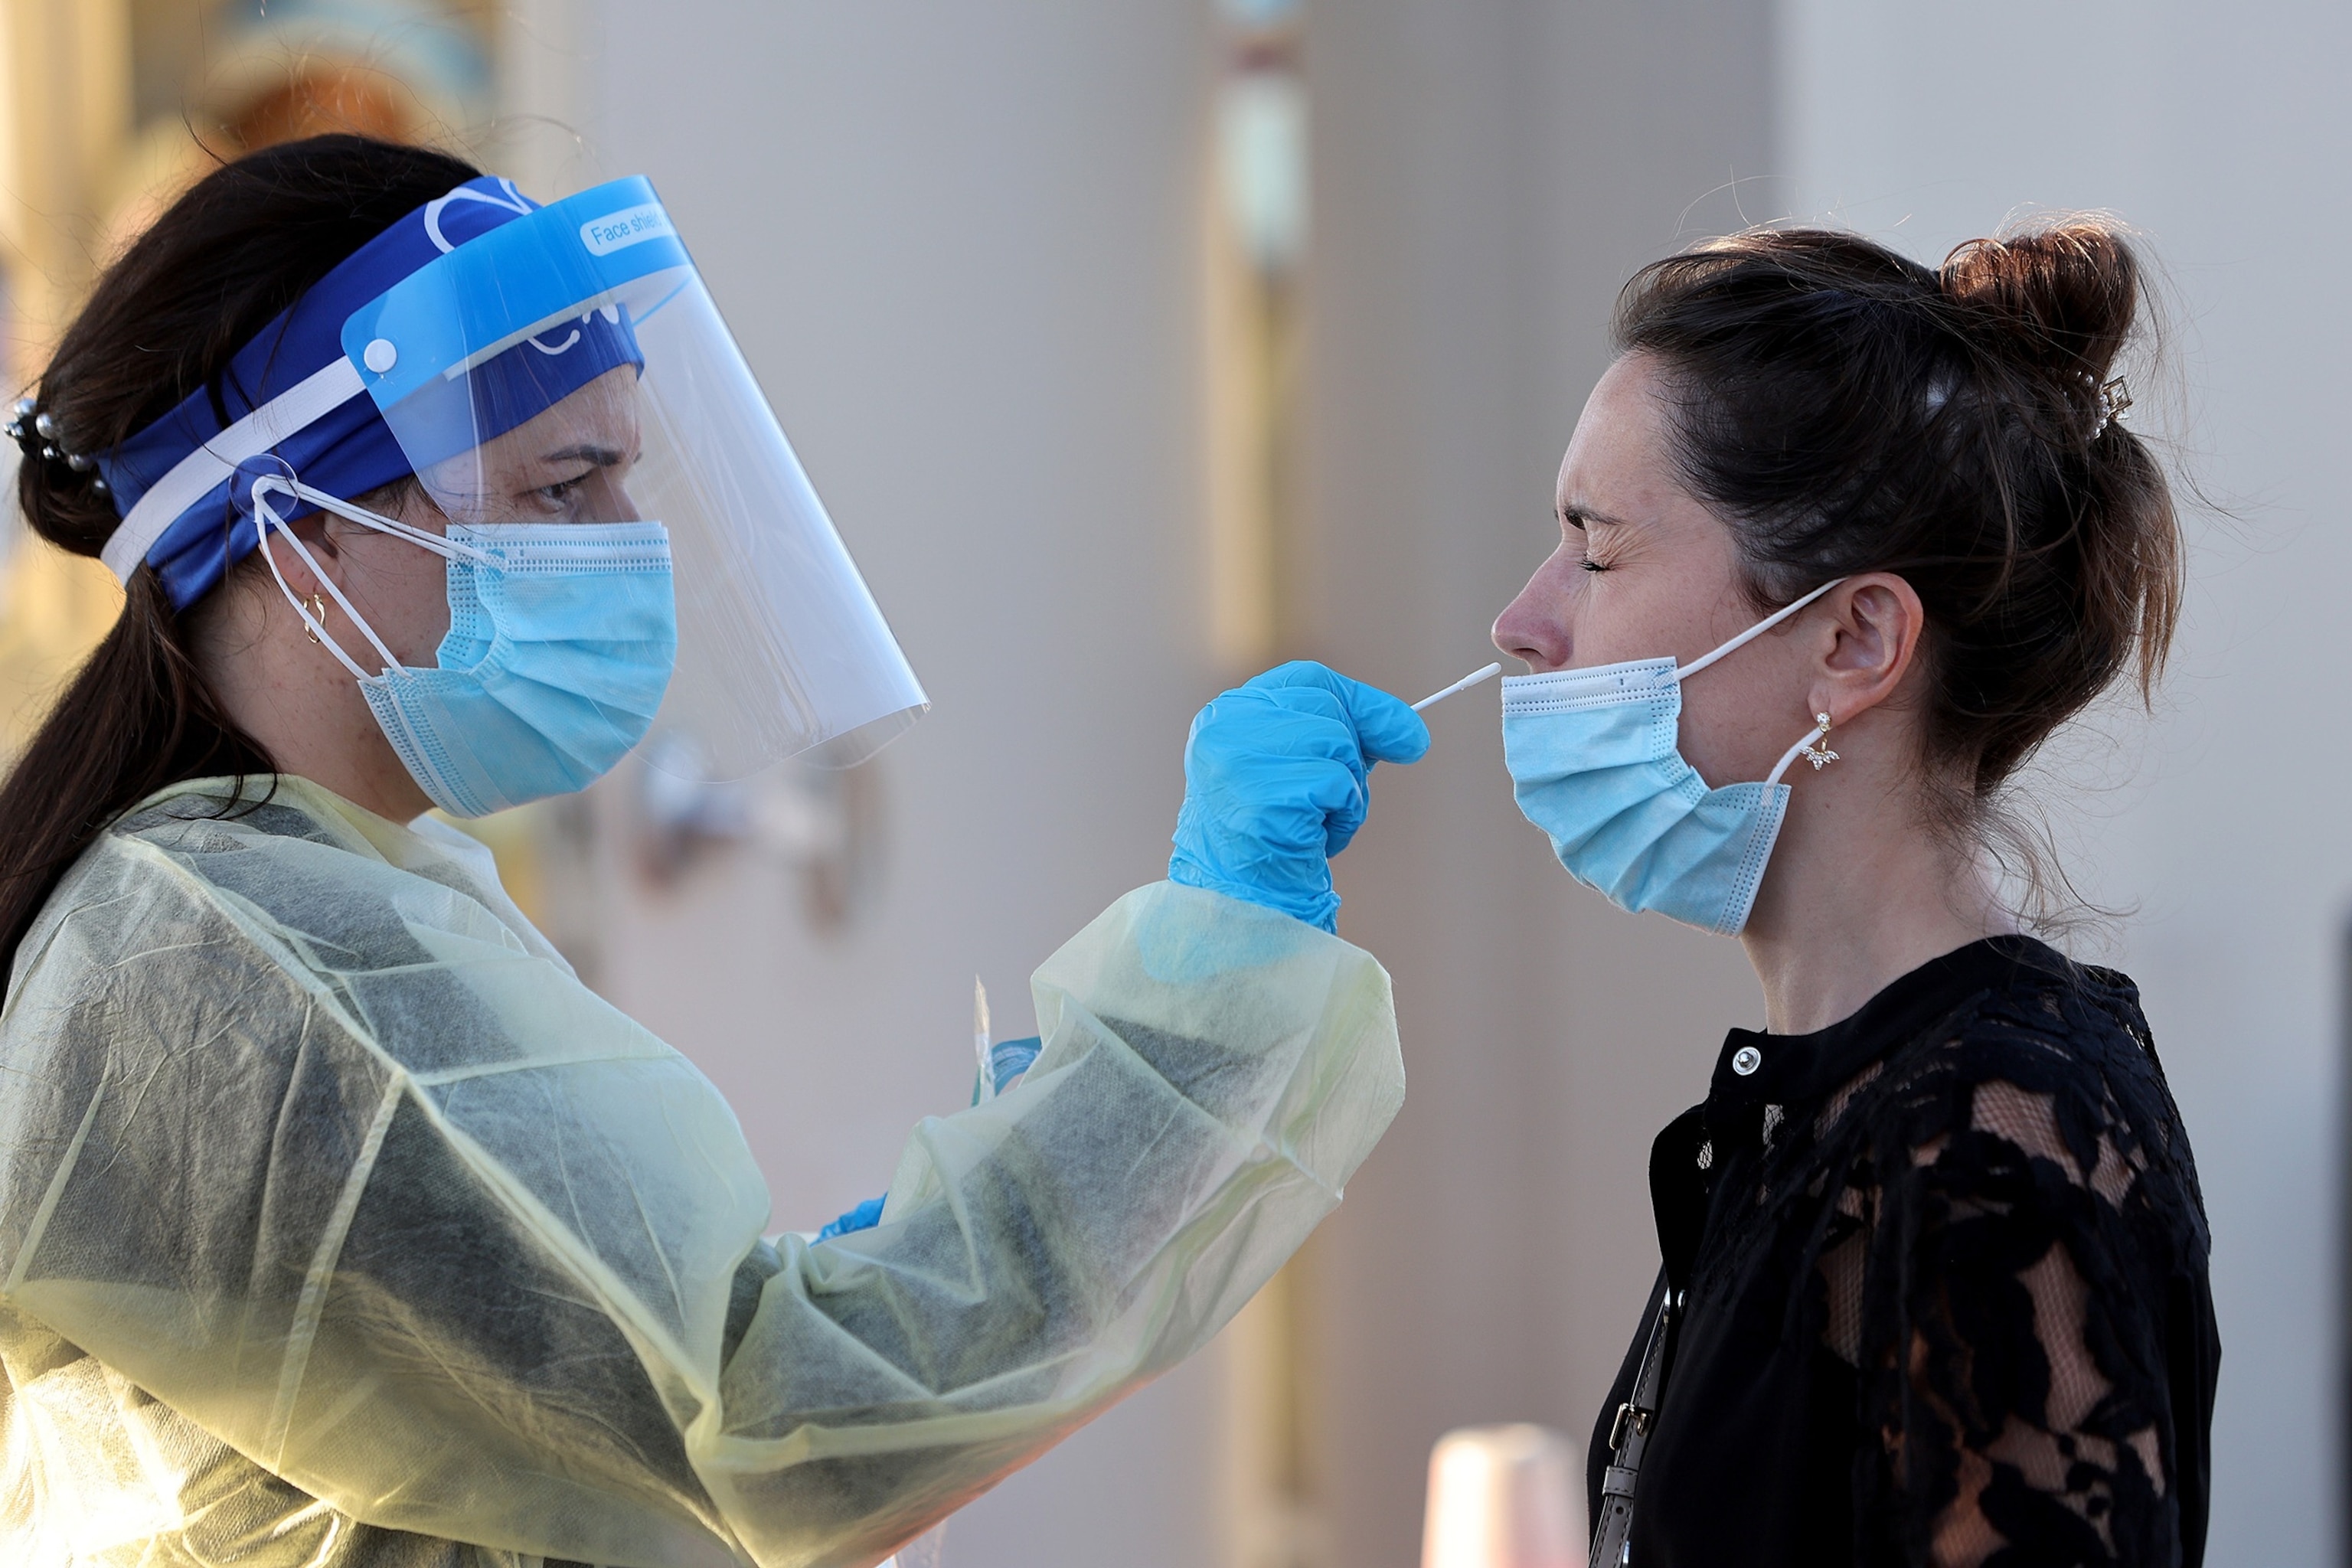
1138 343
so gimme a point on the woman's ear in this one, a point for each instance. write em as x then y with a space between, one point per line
317 539
1875 623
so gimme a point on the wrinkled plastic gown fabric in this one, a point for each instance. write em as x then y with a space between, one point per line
343 1225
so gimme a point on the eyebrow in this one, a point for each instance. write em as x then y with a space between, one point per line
1587 513
597 457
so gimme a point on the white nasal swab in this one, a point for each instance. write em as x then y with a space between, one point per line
980 1040
1467 681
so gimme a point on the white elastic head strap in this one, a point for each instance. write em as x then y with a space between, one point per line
1758 630
266 520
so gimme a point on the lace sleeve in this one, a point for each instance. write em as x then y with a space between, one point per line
2011 1330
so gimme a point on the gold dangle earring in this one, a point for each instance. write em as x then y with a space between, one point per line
318 603
1815 750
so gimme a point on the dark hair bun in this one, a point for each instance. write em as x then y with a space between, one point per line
2064 298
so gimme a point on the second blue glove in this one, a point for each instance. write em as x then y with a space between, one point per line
1274 784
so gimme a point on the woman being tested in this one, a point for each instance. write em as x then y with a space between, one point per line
340 1225
1935 1261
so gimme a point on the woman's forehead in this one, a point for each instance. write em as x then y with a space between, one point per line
1618 462
604 412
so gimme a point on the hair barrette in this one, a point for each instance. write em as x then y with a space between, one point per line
35 431
2114 397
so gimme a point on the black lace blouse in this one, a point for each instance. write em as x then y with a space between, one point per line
1942 1269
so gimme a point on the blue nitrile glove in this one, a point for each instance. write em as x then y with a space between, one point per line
1275 786
865 1217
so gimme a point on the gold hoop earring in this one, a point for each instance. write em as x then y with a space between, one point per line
318 603
1816 751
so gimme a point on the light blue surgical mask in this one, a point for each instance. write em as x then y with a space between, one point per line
561 641
1594 763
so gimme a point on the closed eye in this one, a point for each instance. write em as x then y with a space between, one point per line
1570 517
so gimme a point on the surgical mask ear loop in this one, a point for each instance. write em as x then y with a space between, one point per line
1752 633
1820 729
448 549
265 518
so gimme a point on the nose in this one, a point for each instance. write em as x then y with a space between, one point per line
1533 627
610 501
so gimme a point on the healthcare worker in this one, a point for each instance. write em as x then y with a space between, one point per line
340 1224
1842 540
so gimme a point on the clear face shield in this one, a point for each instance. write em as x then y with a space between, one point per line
567 394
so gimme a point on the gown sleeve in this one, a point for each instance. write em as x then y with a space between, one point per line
2021 1322
324 1156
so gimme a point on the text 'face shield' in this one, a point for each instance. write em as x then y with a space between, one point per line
569 367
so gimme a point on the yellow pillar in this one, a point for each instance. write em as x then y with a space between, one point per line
65 128
1256 237
65 124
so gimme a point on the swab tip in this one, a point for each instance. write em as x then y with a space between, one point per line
1471 679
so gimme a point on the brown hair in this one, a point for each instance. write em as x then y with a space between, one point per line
1849 410
164 320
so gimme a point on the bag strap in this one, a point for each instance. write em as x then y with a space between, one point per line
1629 1435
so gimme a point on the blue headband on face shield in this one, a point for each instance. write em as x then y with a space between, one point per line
292 392
447 415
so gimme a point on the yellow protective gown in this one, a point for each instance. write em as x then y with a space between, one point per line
343 1225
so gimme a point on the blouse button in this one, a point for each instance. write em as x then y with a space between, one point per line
1746 1060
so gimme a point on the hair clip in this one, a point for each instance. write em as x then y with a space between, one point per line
2114 397
35 431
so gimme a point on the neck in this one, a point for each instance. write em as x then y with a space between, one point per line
1853 904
